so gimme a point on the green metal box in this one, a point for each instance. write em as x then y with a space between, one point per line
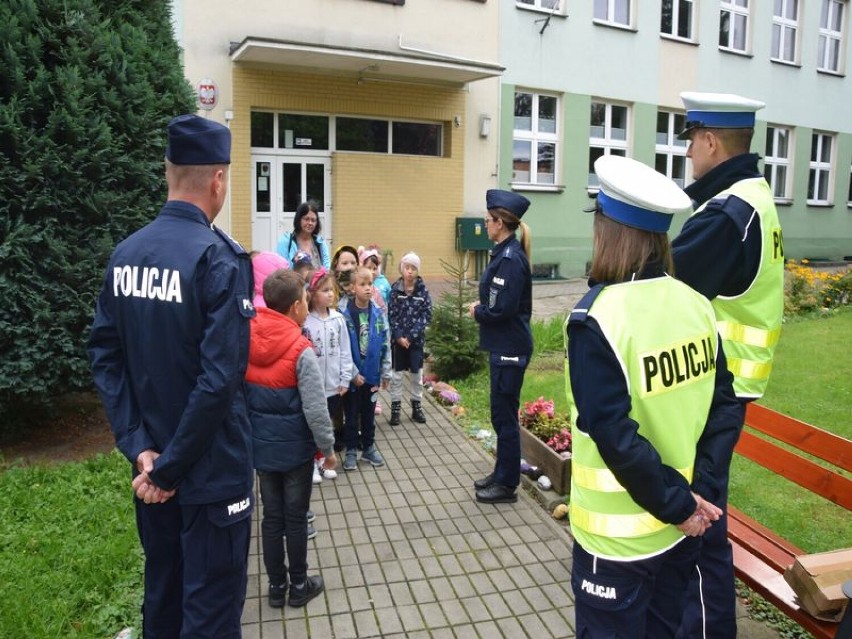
471 234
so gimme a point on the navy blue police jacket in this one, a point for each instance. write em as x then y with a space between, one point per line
505 301
717 252
604 403
169 350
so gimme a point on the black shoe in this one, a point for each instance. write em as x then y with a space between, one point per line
417 412
310 589
485 482
396 410
495 494
277 595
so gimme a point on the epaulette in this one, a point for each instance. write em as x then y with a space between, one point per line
236 247
740 212
581 310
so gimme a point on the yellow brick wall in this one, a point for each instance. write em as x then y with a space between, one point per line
402 203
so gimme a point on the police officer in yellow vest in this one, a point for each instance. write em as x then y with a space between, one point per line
654 414
731 251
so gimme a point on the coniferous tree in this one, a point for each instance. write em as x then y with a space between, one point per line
86 89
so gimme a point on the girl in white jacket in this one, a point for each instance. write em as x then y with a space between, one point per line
326 328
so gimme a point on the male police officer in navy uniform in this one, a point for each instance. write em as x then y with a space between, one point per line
503 313
731 251
169 350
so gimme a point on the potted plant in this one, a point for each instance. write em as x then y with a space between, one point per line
546 442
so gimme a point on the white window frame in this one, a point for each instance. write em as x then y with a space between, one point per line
550 6
788 28
607 142
672 148
611 6
773 161
731 7
821 170
676 21
827 34
535 137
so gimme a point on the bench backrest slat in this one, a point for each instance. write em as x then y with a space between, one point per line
804 472
820 443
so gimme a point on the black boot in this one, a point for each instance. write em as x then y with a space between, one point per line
396 410
417 412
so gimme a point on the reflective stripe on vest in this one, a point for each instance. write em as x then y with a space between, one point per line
751 335
602 479
609 525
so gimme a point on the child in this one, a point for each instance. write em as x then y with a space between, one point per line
303 266
289 420
371 257
410 311
263 264
327 330
369 338
343 263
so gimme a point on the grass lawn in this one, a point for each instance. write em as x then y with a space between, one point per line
70 561
810 381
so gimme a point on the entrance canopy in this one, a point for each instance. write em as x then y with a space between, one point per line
366 64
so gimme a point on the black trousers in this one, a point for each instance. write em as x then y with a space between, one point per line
286 498
506 383
640 599
195 567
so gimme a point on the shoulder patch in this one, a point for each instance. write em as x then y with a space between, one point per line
581 310
236 247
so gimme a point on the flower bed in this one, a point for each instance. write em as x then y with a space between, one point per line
546 442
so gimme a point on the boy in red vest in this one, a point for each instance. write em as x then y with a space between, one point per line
289 420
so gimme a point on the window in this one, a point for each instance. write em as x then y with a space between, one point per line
785 30
607 134
535 136
613 12
849 196
733 25
779 142
819 174
677 18
830 36
670 158
290 131
549 5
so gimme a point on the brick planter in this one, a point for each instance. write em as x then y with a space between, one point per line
537 453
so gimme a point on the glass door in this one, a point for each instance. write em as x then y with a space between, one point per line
280 184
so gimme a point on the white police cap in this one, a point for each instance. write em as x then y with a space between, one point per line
635 195
718 110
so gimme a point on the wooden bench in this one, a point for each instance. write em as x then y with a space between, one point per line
760 555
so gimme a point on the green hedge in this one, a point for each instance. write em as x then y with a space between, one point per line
86 89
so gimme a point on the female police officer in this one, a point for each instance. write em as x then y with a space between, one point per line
503 312
654 414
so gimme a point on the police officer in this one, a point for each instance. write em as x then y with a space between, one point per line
653 413
731 251
503 313
169 350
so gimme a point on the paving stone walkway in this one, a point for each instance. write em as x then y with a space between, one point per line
406 551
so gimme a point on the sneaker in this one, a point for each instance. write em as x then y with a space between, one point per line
277 595
317 475
351 461
312 532
299 596
328 473
373 456
311 516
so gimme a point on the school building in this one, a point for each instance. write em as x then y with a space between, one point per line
397 115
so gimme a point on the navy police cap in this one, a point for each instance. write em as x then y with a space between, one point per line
195 140
516 204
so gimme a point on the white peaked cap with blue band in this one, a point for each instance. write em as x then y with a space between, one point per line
635 195
718 111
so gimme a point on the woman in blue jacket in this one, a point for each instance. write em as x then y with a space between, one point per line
306 237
